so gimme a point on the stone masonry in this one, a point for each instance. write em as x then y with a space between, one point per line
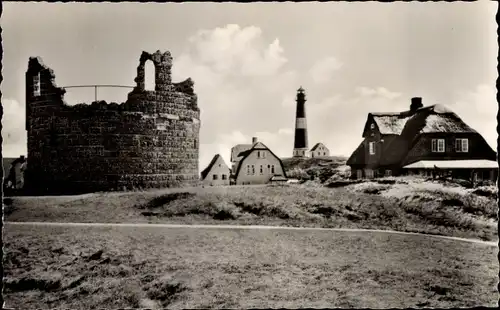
150 141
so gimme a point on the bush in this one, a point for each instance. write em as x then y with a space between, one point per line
28 283
386 181
487 191
452 202
165 290
298 173
342 183
165 199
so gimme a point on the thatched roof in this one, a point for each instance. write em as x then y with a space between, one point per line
434 118
390 124
400 131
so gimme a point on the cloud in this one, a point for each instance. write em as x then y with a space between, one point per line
241 81
235 50
323 70
478 108
337 120
14 134
377 92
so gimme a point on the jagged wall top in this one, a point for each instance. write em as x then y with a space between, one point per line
163 83
163 70
36 65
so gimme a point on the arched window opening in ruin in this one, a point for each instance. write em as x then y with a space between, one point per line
36 84
149 75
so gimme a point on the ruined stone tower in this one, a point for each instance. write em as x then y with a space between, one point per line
300 146
151 140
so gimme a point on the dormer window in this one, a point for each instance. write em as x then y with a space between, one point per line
438 145
462 145
36 85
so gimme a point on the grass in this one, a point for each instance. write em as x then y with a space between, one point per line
374 205
178 268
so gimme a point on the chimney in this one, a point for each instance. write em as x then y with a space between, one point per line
416 103
254 140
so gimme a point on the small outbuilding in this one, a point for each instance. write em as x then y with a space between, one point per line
216 173
319 150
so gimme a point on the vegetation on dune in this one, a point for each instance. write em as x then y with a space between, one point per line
321 169
369 205
397 203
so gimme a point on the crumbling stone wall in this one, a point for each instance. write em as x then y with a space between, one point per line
151 140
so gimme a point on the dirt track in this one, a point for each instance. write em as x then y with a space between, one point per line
489 243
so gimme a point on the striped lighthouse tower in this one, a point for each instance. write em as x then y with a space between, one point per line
300 145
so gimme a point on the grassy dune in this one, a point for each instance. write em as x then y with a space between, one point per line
402 205
90 268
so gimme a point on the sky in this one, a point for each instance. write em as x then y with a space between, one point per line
248 60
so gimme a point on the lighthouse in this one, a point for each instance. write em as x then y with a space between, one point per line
300 146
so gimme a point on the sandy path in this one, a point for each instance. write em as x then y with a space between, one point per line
489 243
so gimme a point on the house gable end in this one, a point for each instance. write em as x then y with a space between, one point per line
241 162
217 160
358 156
368 124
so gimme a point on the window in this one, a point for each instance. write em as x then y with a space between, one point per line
441 145
248 169
264 154
258 154
372 126
462 145
215 177
324 154
388 173
253 169
261 169
272 169
224 177
437 145
371 147
36 85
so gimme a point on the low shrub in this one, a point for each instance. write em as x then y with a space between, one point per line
452 202
30 283
165 290
165 199
386 181
326 211
298 173
487 191
342 183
